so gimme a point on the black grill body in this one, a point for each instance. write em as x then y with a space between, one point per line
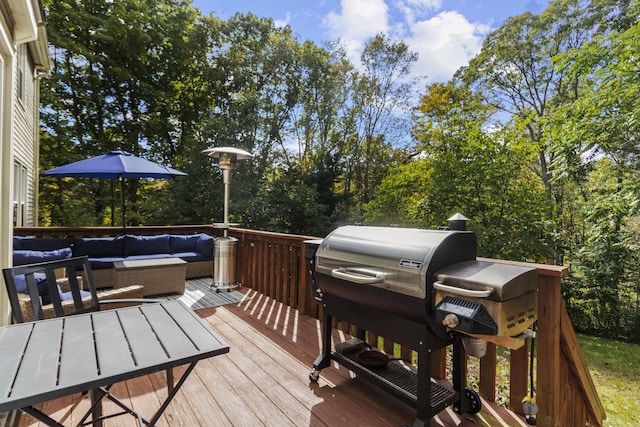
423 289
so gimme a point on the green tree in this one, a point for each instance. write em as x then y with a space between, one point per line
461 166
377 119
115 69
595 139
515 72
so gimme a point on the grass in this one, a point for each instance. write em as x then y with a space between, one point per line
615 369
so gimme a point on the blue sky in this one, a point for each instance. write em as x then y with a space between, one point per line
446 34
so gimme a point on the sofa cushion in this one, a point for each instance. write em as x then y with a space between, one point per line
205 246
104 262
146 245
64 296
39 243
41 282
190 256
149 256
24 256
183 243
98 247
43 290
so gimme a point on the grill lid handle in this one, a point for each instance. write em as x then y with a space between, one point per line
462 291
362 276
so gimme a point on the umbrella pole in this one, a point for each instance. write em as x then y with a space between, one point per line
122 207
113 203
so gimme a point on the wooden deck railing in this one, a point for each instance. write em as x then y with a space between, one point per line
274 265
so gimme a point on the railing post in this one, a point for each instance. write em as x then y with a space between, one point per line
519 368
487 385
548 338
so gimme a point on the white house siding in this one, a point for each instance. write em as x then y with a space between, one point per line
21 22
25 138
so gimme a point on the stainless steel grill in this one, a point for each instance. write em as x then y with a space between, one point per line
425 290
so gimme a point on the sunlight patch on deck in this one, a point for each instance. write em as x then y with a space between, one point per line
198 295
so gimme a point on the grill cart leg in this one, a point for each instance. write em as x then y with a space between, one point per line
423 401
459 374
324 360
469 402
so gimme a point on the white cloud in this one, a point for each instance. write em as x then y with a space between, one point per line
444 43
358 21
444 40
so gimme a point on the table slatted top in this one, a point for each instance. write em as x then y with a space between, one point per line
44 360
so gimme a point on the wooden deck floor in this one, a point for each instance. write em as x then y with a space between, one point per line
264 380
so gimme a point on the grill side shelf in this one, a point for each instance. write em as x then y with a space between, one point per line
400 381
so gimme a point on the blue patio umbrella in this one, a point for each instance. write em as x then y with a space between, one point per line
115 165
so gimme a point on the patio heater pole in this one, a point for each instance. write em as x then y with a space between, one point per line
226 165
224 260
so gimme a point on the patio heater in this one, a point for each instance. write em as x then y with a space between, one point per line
224 261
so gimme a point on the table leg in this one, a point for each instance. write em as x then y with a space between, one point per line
35 413
172 393
96 402
169 380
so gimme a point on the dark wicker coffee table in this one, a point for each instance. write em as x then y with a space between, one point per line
157 276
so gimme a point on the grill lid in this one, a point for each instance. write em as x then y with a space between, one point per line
397 259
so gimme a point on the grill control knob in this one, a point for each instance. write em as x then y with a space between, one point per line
450 321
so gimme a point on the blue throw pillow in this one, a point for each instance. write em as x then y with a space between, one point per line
23 256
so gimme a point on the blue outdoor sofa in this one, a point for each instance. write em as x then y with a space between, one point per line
196 249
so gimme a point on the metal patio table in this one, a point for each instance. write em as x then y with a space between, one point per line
48 359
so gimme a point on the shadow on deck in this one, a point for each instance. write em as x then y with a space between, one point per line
264 380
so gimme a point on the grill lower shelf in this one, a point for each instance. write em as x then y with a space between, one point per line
398 380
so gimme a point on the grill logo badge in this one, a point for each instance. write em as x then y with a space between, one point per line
411 264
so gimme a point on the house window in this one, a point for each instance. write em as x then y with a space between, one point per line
22 64
19 195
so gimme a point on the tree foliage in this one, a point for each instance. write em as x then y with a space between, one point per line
597 146
461 166
535 139
117 67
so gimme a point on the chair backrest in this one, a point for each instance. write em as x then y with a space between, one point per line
39 282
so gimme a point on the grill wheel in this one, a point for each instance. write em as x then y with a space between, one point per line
475 404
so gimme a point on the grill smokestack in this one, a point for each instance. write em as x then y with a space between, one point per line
458 222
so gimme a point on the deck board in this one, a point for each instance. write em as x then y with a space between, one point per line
263 381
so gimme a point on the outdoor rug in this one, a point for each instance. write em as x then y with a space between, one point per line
197 295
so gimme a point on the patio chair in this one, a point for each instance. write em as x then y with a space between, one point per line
36 292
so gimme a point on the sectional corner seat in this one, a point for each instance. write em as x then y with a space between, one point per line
197 250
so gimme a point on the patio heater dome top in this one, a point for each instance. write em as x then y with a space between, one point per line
227 155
